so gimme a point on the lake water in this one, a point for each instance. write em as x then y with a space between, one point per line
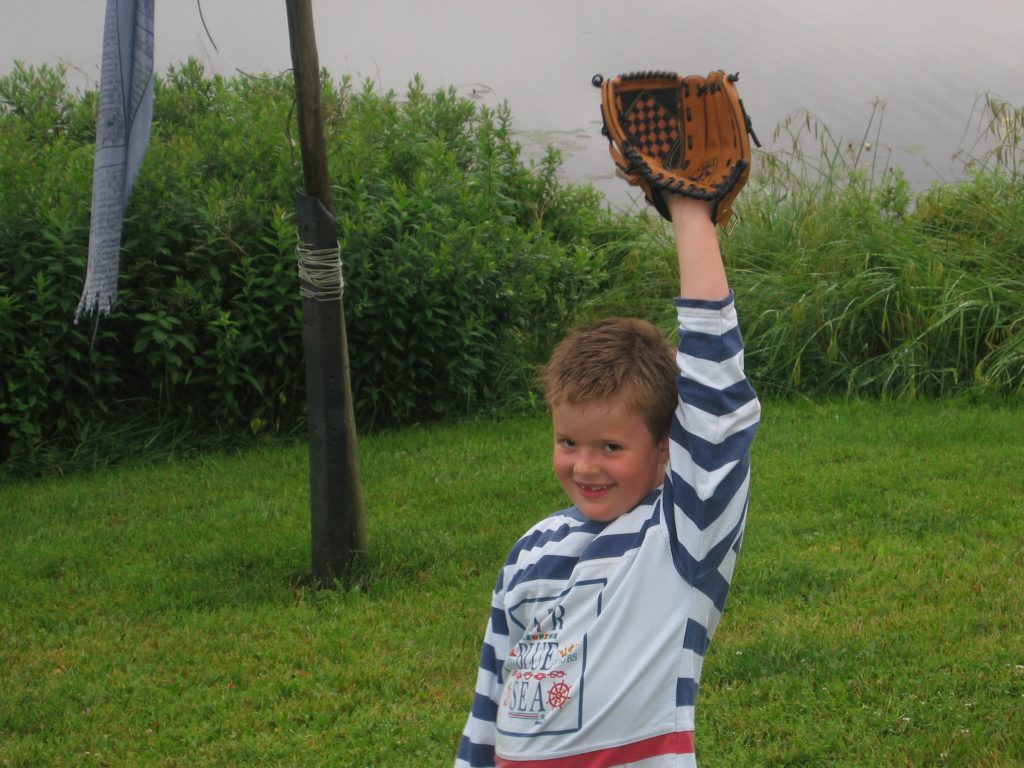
928 60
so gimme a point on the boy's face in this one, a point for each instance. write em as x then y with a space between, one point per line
605 457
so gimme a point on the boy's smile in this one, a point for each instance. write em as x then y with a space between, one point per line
605 457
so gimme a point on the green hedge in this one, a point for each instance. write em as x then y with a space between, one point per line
462 261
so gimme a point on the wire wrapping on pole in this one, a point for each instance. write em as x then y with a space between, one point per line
320 275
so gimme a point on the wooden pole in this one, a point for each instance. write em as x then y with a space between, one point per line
306 71
338 518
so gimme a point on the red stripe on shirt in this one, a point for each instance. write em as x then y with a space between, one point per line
680 743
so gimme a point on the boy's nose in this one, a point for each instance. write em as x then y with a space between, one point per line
586 464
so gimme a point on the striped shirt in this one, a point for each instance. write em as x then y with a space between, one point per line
597 634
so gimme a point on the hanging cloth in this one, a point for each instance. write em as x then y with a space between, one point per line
122 134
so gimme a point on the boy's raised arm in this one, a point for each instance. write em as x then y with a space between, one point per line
701 272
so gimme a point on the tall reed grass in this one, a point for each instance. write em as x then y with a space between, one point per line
855 284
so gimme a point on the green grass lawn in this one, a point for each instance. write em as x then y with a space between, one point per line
157 616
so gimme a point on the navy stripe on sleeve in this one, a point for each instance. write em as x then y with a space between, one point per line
700 569
481 755
717 402
706 512
713 304
695 637
498 621
709 346
710 456
484 708
489 659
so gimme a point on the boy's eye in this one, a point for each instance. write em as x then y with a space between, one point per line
566 442
612 447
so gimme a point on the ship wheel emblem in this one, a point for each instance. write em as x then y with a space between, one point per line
558 695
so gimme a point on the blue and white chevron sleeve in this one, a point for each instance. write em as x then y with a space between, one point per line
476 748
709 461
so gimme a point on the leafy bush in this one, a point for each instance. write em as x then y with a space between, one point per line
450 258
461 262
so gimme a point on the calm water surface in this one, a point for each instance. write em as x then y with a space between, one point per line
927 60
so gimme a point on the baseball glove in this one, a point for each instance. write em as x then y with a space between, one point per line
686 135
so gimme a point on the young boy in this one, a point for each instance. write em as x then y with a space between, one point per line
603 612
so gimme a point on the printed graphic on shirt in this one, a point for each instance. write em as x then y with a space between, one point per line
544 671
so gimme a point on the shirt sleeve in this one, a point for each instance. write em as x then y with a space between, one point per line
476 747
708 482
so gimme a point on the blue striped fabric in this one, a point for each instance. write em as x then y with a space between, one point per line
629 607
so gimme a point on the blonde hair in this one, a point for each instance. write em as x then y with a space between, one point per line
616 358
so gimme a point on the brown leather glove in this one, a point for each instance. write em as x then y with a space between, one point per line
687 135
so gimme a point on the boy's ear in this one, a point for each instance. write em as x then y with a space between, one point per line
663 450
